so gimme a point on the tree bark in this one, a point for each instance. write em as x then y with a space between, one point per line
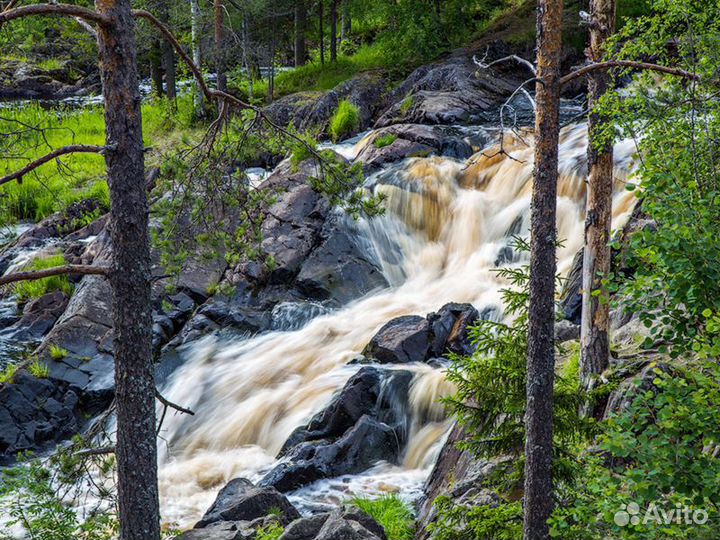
129 277
168 56
220 45
538 503
321 30
195 31
346 25
156 68
333 30
300 22
595 323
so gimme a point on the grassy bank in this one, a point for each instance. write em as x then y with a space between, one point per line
36 131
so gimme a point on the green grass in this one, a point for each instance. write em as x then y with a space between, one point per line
27 290
345 120
8 374
384 140
392 513
39 370
51 64
57 352
407 104
53 187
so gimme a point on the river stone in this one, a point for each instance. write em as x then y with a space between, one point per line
402 340
366 443
240 499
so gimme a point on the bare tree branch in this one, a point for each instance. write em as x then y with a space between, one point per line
66 10
610 64
481 63
85 269
100 451
11 4
172 405
72 149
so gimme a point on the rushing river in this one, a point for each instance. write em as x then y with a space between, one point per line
445 226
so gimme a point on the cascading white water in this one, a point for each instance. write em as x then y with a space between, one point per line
439 240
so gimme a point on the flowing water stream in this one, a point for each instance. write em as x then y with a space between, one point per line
446 224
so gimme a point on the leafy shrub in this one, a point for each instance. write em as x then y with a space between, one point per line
29 500
384 140
345 120
658 452
391 512
469 522
273 531
27 290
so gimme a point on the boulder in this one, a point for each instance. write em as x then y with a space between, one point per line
311 528
450 91
412 338
364 423
402 340
311 111
241 500
411 140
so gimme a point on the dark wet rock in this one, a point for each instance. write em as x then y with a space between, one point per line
413 338
364 423
368 442
449 329
451 91
411 140
337 528
371 390
339 269
295 315
309 528
571 294
402 340
38 317
240 499
35 413
311 111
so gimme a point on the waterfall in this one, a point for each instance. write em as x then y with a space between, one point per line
446 226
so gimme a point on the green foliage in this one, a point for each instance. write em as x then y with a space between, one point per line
391 512
476 522
7 375
56 185
345 121
384 140
273 531
490 401
57 352
658 452
39 369
677 126
28 290
28 499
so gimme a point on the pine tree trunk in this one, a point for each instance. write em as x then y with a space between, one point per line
595 324
538 502
168 55
136 450
196 30
346 26
333 30
220 45
156 75
321 30
300 21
